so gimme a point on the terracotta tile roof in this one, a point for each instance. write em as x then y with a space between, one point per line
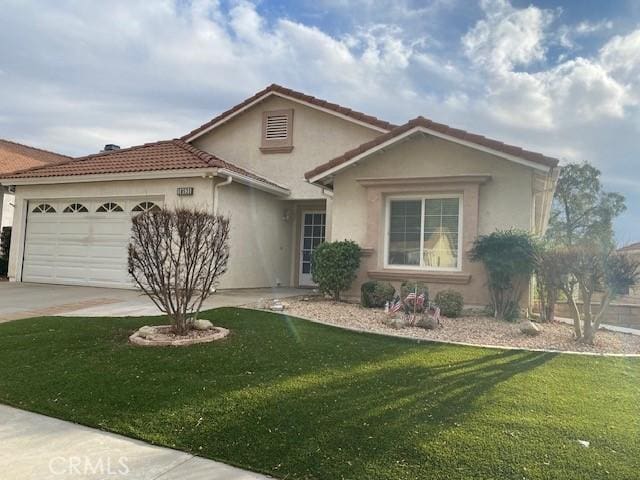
164 155
362 117
441 128
16 156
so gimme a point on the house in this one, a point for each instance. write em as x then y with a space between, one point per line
15 157
291 171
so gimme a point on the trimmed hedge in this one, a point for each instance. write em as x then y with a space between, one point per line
450 302
375 294
335 265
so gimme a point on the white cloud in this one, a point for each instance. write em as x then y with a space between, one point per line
132 71
507 37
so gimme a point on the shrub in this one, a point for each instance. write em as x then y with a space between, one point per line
419 288
176 258
5 242
588 270
376 294
450 302
509 258
334 266
4 266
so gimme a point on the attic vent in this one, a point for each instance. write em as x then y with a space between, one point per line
277 131
277 126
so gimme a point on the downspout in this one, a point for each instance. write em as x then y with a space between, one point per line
216 186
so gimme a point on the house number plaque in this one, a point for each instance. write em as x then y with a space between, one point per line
185 191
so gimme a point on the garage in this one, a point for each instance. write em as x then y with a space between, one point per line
80 241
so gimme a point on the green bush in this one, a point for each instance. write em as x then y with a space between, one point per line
4 266
334 266
450 302
509 257
376 294
408 287
5 242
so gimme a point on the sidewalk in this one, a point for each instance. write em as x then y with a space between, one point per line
36 447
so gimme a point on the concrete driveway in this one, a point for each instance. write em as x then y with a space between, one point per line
24 300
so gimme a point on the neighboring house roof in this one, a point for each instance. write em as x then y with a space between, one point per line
157 156
278 90
633 247
437 129
16 156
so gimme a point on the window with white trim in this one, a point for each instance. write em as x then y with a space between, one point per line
424 232
44 208
146 207
75 208
109 207
277 131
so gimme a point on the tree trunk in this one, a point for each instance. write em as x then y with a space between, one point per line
588 331
575 313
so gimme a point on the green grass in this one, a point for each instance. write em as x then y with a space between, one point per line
300 400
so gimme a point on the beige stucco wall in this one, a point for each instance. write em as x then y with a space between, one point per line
161 188
6 206
317 138
260 254
504 202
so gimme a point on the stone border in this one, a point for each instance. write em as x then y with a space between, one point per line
452 342
216 333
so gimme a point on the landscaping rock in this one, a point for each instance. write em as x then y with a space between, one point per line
146 331
202 325
276 306
428 323
396 323
529 328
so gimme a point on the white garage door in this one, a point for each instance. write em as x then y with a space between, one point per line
80 241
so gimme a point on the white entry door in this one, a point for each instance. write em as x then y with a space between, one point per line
312 235
79 241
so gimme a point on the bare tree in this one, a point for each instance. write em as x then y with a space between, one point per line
588 270
549 275
176 258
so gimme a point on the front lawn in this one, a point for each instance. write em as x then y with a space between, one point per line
305 401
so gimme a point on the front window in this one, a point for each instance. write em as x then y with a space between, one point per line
424 232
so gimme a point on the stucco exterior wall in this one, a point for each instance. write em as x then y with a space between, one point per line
503 202
161 188
317 138
6 201
260 242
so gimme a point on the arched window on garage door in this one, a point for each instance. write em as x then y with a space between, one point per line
109 207
145 207
44 208
75 208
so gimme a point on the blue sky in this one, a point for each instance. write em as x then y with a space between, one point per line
562 78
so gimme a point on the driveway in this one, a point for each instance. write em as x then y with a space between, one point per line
24 300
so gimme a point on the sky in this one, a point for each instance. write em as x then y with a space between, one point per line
561 78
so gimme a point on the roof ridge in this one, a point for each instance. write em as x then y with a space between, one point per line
89 157
217 162
206 157
274 87
121 150
35 148
421 121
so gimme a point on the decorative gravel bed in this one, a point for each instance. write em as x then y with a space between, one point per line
474 330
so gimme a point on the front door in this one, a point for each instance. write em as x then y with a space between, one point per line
312 235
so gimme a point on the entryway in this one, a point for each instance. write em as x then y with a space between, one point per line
312 234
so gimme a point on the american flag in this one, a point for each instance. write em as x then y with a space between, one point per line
411 296
420 300
395 306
